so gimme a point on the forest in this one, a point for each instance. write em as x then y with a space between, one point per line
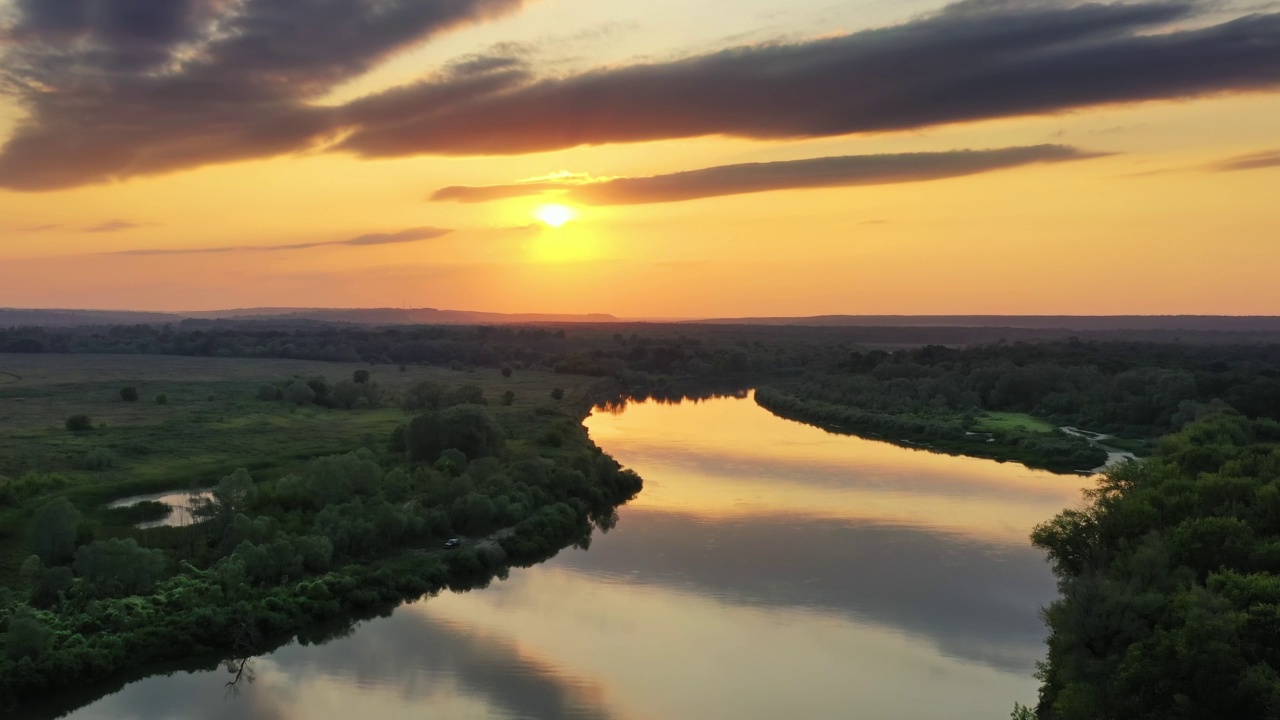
1170 602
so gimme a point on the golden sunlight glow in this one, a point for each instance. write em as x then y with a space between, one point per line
555 215
575 244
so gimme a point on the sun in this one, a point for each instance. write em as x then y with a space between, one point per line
555 215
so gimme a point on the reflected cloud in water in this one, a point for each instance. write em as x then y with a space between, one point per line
769 569
409 662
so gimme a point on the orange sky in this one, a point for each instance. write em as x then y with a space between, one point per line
1155 223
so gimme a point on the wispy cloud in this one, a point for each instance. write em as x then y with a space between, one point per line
1253 161
404 236
843 171
111 226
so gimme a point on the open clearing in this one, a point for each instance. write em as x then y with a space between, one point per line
998 421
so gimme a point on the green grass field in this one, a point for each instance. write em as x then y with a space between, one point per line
211 425
1001 421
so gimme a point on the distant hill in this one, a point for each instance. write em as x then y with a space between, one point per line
397 316
1057 324
1082 323
10 317
17 317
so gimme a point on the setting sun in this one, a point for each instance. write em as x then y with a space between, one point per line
555 215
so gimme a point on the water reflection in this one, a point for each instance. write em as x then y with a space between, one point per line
179 507
974 601
768 570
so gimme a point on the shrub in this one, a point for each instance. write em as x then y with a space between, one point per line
360 377
129 394
299 393
99 459
267 391
162 399
506 371
346 393
508 398
79 423
557 394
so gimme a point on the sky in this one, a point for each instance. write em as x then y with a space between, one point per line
645 158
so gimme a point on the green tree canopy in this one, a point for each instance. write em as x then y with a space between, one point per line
53 531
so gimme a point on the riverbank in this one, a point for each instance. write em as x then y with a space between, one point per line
948 433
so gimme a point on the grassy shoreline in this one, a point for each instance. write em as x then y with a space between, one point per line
1051 450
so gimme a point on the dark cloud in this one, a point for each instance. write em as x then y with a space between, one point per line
120 88
1255 161
404 236
785 175
114 226
972 61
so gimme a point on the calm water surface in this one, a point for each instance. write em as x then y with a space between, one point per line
768 570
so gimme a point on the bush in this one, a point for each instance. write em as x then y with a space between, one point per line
557 394
467 428
99 459
79 423
508 398
162 399
129 394
299 393
360 377
346 393
267 392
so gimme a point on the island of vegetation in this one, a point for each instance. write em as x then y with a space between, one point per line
288 536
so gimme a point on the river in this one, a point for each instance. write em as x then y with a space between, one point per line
768 569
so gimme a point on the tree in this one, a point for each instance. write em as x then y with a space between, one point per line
373 394
79 423
557 394
506 371
425 395
468 394
115 567
467 428
129 394
53 531
360 377
31 569
299 393
233 495
267 391
508 398
346 393
27 637
162 399
51 586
